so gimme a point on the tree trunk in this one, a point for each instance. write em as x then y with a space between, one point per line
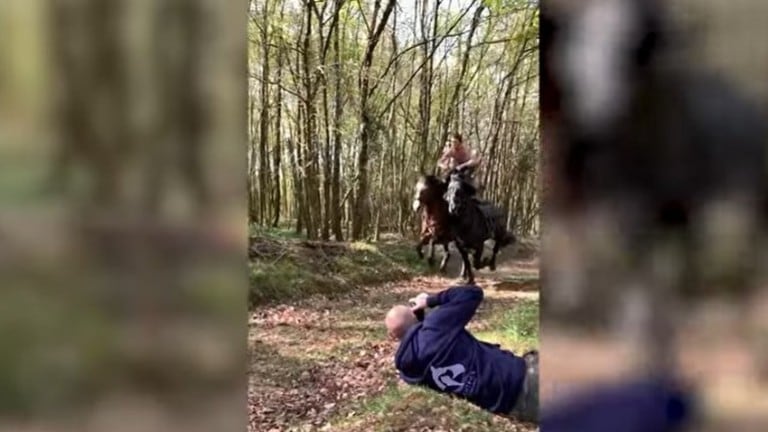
335 205
360 215
93 86
425 95
253 186
277 149
311 185
264 118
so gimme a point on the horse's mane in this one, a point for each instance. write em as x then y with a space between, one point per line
433 181
456 178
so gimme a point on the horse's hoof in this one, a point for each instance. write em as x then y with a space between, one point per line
492 267
442 269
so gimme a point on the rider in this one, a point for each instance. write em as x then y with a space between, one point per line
458 156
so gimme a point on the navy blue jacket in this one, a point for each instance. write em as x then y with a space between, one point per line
440 354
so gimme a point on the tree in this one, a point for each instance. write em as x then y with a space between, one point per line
361 93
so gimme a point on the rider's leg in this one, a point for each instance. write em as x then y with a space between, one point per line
470 179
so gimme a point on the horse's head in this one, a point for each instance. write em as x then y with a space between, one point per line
458 193
428 189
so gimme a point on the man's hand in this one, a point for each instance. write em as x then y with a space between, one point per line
419 302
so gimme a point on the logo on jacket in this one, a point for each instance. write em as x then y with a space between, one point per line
446 377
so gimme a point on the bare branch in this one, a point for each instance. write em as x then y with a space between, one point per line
393 59
374 39
491 42
365 20
432 53
281 86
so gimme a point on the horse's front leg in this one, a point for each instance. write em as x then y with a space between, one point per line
466 266
446 257
431 256
420 245
478 257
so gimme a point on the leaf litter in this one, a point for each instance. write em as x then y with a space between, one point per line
319 359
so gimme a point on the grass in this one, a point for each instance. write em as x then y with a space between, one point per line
516 328
288 268
414 408
280 232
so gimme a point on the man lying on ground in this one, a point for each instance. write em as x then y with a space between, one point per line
439 353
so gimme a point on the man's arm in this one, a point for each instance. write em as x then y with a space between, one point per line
457 307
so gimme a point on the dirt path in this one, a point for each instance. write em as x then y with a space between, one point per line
325 363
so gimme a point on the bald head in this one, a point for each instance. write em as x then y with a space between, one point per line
399 319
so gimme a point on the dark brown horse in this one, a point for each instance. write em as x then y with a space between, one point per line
435 224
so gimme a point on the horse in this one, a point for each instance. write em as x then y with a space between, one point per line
435 226
474 222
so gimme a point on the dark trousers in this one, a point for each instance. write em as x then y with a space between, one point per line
527 406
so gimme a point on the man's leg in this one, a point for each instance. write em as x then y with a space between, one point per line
527 406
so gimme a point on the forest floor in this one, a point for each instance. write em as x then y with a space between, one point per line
324 362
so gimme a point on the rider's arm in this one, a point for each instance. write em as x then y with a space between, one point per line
474 160
457 306
445 158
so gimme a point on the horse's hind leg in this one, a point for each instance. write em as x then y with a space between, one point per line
496 248
446 257
501 239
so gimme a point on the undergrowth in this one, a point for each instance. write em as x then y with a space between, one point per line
283 266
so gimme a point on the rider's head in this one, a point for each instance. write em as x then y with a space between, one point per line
455 140
399 319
